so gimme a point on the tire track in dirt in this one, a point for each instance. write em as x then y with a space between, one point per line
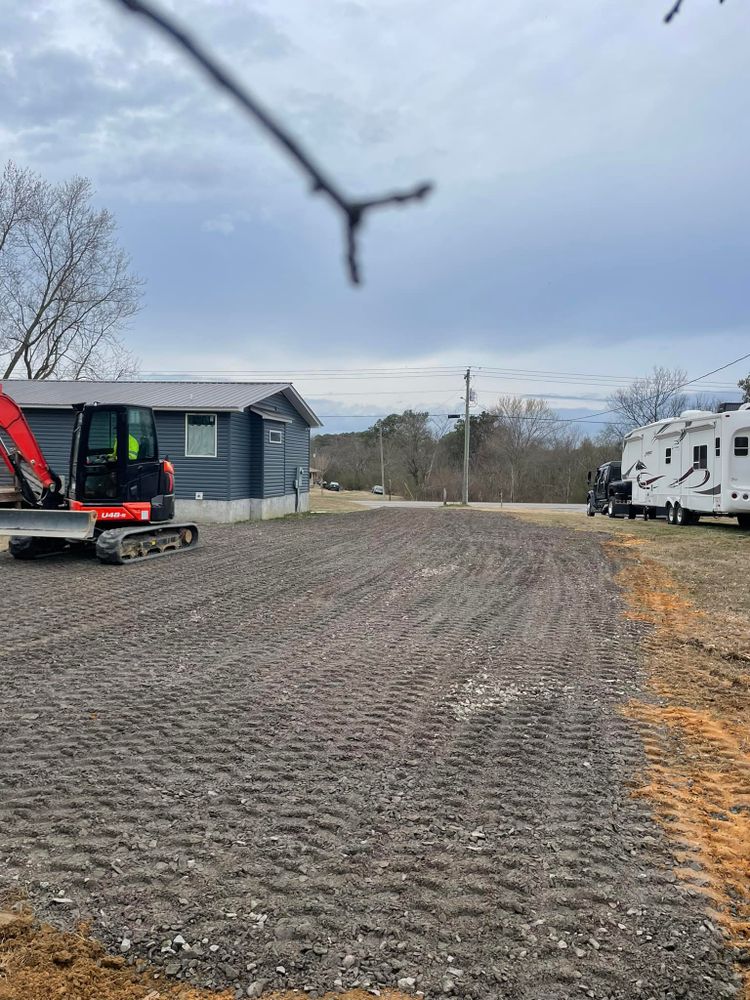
392 737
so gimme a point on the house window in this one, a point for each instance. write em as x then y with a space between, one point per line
200 435
741 446
700 456
718 447
668 456
275 437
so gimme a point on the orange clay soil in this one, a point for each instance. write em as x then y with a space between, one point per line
38 962
697 738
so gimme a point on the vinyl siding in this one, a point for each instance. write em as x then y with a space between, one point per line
241 458
282 461
256 455
210 476
273 459
53 429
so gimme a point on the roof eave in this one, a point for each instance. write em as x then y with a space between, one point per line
308 415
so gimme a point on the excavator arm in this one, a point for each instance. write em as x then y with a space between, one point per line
27 462
40 489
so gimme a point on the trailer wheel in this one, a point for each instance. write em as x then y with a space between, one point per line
670 514
631 513
682 517
611 509
744 521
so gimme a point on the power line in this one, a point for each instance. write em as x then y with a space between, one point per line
379 416
426 371
684 385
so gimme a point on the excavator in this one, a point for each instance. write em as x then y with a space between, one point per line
118 498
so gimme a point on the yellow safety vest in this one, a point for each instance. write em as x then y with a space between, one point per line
133 449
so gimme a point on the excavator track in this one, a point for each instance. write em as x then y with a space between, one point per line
125 545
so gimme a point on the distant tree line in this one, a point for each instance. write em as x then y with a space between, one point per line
520 450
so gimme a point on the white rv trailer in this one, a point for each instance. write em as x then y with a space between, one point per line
697 463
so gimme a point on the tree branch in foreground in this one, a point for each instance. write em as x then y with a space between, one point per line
353 211
675 10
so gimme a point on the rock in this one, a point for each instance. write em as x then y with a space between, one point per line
125 944
255 989
349 961
62 958
406 983
113 962
172 968
562 944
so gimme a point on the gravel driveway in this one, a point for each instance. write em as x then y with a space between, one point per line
380 748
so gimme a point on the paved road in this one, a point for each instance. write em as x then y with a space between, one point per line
426 504
345 750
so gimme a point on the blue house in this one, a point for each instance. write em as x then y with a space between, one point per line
240 450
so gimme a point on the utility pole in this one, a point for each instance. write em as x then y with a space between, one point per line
467 427
382 466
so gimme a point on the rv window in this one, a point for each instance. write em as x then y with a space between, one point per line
718 447
741 446
700 456
668 456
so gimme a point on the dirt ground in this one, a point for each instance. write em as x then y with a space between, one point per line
388 751
690 586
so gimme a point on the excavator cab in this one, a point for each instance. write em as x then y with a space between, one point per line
115 456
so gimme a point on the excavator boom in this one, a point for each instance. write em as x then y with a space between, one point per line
28 452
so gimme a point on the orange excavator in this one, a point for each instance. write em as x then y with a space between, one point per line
119 495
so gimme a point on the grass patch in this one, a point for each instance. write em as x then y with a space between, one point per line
328 502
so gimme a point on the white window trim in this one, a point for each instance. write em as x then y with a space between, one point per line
279 439
197 413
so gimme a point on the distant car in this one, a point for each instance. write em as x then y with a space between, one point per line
378 490
332 486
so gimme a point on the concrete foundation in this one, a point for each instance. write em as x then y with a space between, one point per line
250 509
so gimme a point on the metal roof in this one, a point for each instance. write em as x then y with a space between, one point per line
48 394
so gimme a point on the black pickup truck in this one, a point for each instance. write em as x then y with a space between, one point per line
610 494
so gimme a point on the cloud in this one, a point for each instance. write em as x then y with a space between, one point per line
591 201
221 224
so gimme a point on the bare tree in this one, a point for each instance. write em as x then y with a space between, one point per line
66 288
705 401
744 385
648 399
412 447
521 425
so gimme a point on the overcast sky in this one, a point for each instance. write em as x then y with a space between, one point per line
591 170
